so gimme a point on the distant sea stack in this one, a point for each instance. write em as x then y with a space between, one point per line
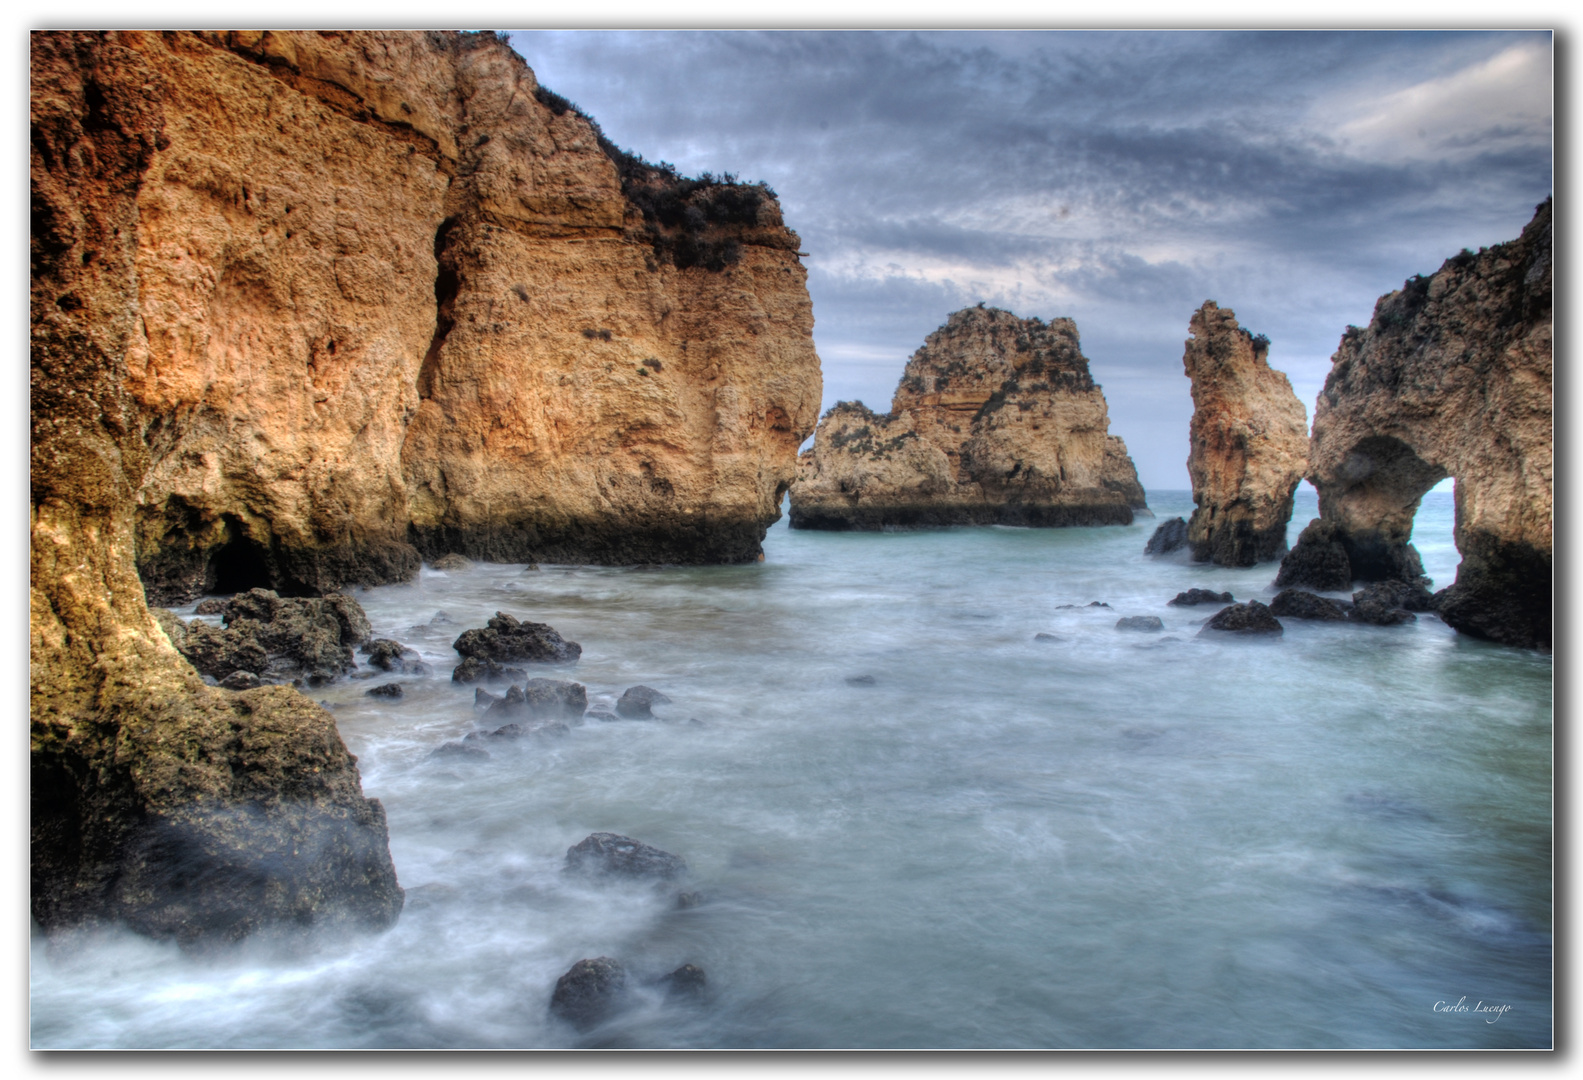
1452 377
306 306
1249 443
996 421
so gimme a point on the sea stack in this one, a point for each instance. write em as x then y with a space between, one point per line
1249 443
1452 377
307 306
997 420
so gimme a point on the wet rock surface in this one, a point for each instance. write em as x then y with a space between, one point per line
539 701
388 691
639 701
1385 603
687 981
589 992
1170 536
1149 624
452 562
1251 618
1194 597
605 853
389 655
279 638
1298 604
505 639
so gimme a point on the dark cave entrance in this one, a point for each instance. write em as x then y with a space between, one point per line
240 565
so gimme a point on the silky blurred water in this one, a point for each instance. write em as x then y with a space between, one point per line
1113 839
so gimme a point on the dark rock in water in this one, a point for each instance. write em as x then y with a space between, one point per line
1407 595
687 900
636 703
311 637
388 655
604 716
860 680
686 981
1098 603
589 992
542 699
1249 618
451 562
387 690
507 639
214 605
1297 604
483 698
608 853
1319 561
474 668
1146 623
1041 636
1168 537
459 750
1377 605
1193 597
509 731
240 680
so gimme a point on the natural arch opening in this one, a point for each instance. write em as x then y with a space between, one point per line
1381 485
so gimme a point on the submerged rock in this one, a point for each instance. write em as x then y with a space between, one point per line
507 639
1042 636
686 981
861 680
459 749
1384 603
1194 597
1249 443
1249 618
387 690
996 420
541 700
1170 536
1146 623
388 655
476 668
452 562
1297 604
609 853
637 703
589 992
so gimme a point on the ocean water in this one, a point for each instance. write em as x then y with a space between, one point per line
1114 839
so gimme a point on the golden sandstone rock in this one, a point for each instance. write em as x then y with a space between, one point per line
996 420
1248 439
306 306
1452 377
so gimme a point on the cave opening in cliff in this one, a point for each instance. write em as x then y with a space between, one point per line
240 564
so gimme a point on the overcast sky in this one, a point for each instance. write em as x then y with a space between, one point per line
1121 179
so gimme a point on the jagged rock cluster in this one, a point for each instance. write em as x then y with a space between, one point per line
305 307
997 420
1452 377
1249 443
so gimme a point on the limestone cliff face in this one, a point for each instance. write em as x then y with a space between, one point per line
395 299
1451 378
1249 443
996 420
305 305
180 809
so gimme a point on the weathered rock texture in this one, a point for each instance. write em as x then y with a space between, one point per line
395 298
1249 439
304 307
996 421
183 810
1451 378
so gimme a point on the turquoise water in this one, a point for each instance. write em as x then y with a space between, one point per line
1110 840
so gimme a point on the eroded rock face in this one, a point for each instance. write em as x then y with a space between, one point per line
1451 378
179 809
996 421
394 299
1249 439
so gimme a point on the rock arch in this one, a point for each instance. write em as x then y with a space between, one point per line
1451 378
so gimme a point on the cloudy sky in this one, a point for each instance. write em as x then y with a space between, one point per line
1120 179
